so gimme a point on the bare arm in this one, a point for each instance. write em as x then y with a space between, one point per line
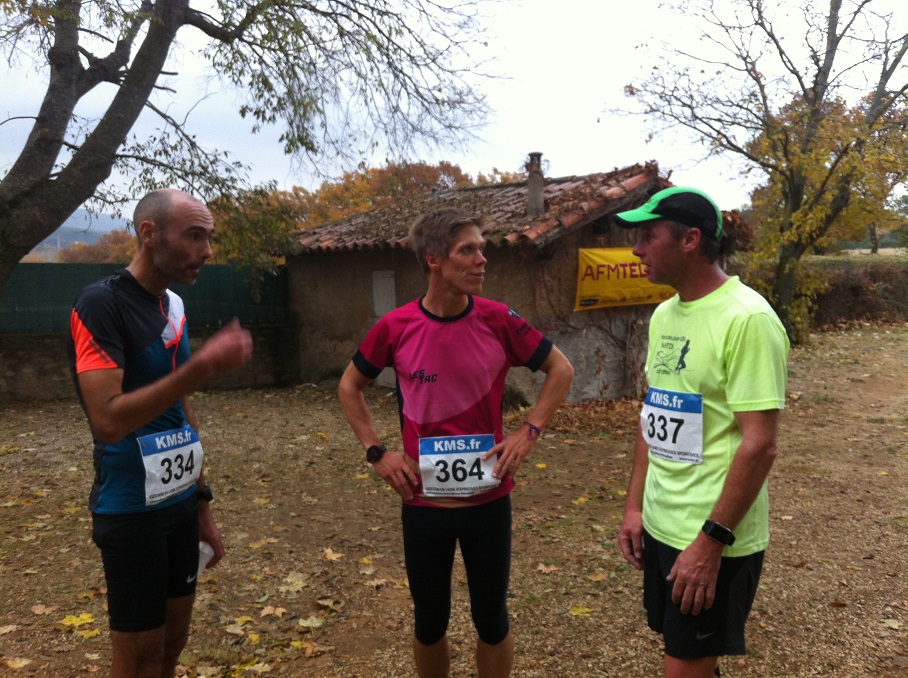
559 374
208 528
395 467
695 571
351 393
114 414
189 413
750 467
630 536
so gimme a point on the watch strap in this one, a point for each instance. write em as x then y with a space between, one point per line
204 493
718 532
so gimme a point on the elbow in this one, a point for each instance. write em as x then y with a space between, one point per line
107 430
343 389
765 456
108 435
569 374
772 453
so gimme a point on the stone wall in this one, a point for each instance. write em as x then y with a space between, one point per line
33 366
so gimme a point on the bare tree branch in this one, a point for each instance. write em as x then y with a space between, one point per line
821 110
340 78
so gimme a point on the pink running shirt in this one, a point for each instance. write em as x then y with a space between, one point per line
451 371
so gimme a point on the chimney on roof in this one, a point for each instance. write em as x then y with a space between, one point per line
535 185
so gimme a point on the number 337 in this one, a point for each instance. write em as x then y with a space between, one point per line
659 427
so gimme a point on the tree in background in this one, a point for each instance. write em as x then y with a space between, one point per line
341 79
901 230
255 228
876 175
497 176
371 187
114 247
819 107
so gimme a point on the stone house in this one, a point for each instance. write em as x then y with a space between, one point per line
347 274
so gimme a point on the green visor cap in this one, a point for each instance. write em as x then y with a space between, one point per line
687 206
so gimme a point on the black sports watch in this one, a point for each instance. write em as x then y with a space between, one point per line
718 532
375 453
204 493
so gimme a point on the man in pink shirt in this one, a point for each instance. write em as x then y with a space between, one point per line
451 351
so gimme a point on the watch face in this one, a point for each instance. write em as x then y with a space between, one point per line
374 453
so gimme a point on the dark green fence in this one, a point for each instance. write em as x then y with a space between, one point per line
38 297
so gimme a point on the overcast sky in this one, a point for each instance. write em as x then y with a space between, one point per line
568 62
565 63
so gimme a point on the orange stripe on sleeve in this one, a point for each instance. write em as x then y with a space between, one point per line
89 354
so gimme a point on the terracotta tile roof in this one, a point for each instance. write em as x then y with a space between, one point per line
570 202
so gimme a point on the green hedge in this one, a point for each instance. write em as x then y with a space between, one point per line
862 287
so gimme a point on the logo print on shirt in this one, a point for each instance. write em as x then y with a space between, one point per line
422 377
670 358
681 364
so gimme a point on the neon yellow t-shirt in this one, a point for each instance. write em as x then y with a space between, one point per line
707 359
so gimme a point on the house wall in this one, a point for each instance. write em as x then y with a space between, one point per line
331 301
330 298
607 346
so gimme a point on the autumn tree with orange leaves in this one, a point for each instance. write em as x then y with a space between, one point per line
256 228
114 247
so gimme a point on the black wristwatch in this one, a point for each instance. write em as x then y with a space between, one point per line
204 493
375 453
718 532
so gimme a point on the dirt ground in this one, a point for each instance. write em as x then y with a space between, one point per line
314 584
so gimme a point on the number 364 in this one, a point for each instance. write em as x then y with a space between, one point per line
458 470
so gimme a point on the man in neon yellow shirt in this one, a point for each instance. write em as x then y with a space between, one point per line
696 516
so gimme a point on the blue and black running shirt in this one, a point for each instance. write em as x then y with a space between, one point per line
117 323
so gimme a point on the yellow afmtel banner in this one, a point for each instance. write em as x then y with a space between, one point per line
615 277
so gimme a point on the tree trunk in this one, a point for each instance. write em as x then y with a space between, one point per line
784 287
30 208
25 225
